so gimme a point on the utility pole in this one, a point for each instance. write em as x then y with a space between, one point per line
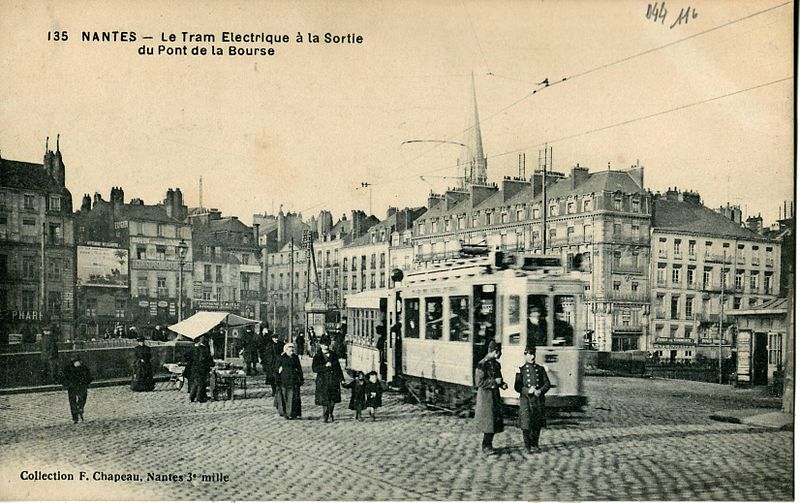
721 313
291 293
367 185
42 300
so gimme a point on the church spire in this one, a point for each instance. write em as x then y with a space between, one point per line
475 171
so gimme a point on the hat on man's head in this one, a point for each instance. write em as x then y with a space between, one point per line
325 340
530 349
140 338
493 346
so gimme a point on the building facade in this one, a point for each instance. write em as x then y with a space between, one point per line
704 264
37 248
226 265
153 236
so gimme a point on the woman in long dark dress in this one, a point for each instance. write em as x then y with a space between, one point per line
289 377
142 379
329 378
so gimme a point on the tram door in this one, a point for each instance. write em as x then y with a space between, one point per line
484 320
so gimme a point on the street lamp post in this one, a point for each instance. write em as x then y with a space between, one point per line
181 250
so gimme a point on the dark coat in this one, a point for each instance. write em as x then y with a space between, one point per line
373 392
328 378
531 407
250 347
142 379
272 353
357 398
200 363
76 378
488 404
291 373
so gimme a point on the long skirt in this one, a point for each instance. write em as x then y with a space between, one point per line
142 379
287 401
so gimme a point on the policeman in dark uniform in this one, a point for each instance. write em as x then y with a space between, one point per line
531 382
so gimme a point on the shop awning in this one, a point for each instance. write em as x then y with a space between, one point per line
202 322
364 300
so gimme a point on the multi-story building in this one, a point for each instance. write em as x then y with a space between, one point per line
600 219
227 264
287 286
37 247
158 240
703 260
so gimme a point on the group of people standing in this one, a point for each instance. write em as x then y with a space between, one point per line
531 382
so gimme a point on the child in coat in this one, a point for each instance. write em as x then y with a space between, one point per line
373 389
357 397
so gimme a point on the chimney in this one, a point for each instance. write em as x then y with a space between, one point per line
637 173
671 194
169 202
479 193
434 199
97 199
453 196
692 198
86 203
513 186
390 211
755 224
117 196
179 211
579 175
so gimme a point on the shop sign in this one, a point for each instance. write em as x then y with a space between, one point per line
143 303
22 315
163 303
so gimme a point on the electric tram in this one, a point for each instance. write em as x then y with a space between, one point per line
444 315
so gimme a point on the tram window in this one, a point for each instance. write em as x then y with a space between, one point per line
459 319
537 320
564 319
513 319
412 318
434 312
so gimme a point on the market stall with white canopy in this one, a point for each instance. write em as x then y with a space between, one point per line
203 322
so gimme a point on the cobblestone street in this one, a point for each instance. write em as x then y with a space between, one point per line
637 439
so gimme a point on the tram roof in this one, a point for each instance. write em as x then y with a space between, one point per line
370 299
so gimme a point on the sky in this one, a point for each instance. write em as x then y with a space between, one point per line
704 105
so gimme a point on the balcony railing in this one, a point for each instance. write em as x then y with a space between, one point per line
718 257
675 340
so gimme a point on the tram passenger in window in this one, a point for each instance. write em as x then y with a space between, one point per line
537 326
563 332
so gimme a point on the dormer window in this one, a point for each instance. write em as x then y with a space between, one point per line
571 207
618 204
553 211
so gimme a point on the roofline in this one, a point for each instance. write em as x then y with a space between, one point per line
755 237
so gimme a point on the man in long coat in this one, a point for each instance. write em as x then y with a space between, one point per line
197 371
271 355
488 404
250 351
531 382
329 378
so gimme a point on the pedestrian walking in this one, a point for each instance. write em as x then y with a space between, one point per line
76 378
357 397
329 378
142 379
373 391
250 351
300 341
531 382
289 377
488 405
263 338
271 354
50 359
312 342
197 371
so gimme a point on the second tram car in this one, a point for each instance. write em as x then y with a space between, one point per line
443 317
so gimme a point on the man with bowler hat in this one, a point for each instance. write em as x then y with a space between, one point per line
531 382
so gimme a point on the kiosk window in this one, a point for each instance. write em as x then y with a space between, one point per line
412 318
433 318
459 319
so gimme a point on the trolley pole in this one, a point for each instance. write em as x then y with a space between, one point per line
290 337
721 314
